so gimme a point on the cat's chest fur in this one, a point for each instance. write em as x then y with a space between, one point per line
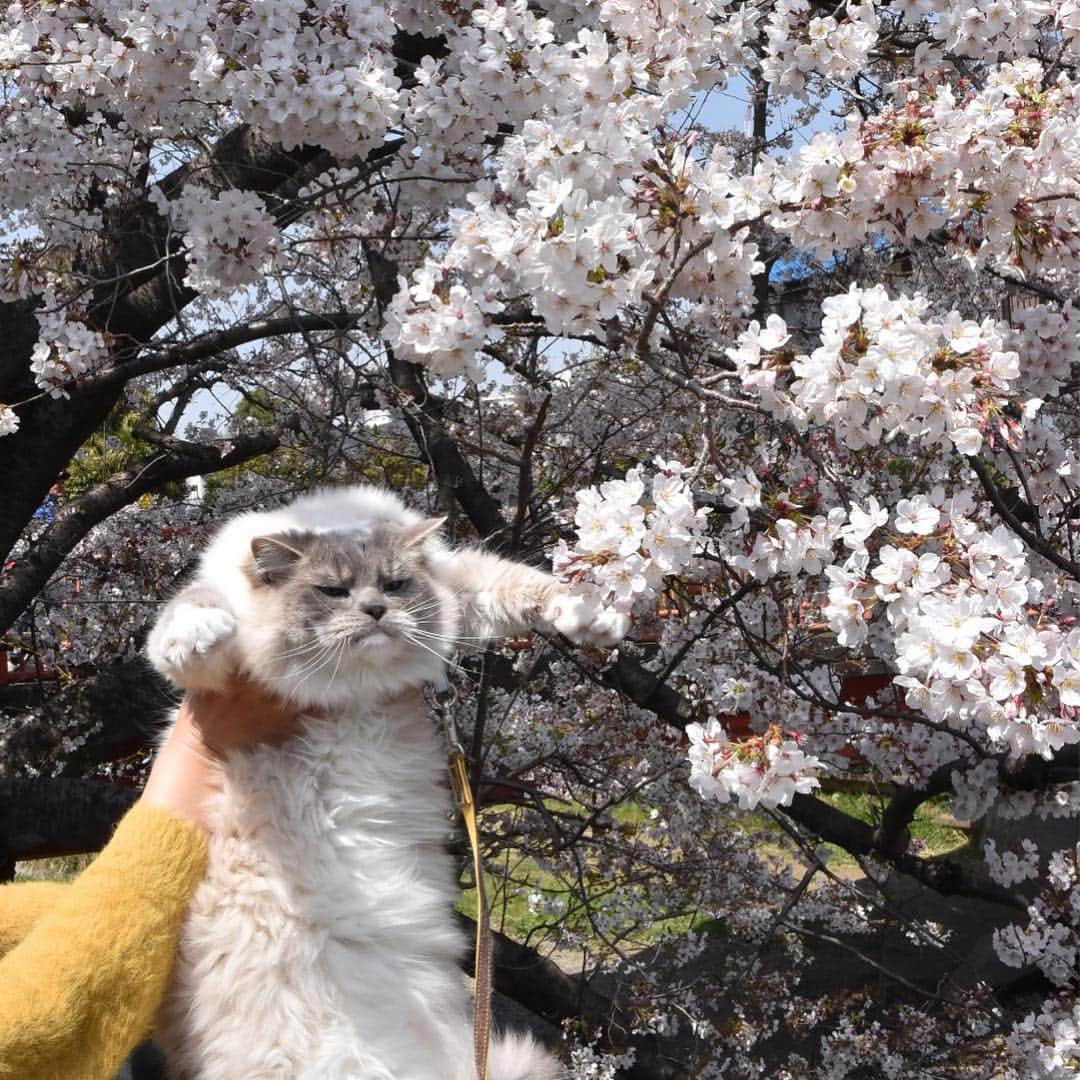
319 945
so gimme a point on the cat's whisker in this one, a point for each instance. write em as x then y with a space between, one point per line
337 664
423 612
300 682
445 659
300 650
314 665
313 655
296 679
426 602
435 641
451 637
449 641
443 643
433 602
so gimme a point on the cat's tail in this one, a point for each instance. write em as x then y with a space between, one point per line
520 1057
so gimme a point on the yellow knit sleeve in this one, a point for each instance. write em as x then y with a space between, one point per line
21 906
80 990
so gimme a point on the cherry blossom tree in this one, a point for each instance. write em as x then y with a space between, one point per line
798 395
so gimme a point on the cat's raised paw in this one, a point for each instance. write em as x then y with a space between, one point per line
180 645
582 620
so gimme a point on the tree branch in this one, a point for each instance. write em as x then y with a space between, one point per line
177 461
944 876
544 988
894 834
40 818
212 344
140 266
1036 543
424 414
113 713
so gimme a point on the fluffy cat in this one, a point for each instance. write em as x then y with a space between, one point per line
321 943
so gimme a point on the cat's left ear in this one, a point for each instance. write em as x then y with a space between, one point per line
414 535
273 557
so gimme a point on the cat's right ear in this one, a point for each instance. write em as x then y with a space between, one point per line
273 557
414 535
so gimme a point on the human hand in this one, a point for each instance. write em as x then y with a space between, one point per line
208 726
237 719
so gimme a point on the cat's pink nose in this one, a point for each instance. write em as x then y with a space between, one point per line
376 611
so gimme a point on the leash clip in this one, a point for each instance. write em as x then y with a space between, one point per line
459 784
443 697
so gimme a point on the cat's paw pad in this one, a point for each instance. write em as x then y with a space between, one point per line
581 619
192 631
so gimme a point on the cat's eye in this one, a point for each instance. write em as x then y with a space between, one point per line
395 584
333 590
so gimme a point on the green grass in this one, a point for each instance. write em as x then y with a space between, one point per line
62 868
511 913
931 828
511 879
509 903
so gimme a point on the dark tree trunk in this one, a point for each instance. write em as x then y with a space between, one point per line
116 712
42 818
130 305
542 987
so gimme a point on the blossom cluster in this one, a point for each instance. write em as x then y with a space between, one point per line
1008 868
985 28
302 80
1048 344
893 167
945 599
231 238
1051 936
766 772
631 535
956 598
1049 1041
571 216
884 369
790 546
567 250
800 44
65 350
440 325
589 1063
969 652
992 167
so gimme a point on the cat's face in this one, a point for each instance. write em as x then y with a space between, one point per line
342 613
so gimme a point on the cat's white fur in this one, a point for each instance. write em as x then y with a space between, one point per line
321 944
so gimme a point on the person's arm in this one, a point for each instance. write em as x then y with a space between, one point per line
22 905
79 991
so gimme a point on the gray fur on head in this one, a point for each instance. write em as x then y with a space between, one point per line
340 604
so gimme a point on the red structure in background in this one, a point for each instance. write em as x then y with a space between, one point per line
24 671
854 688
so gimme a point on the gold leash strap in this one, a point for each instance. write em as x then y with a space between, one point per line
463 796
